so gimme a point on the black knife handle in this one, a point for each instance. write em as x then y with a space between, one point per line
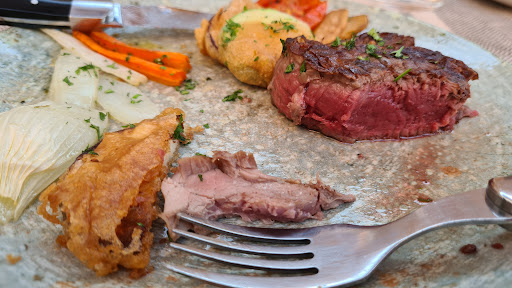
49 10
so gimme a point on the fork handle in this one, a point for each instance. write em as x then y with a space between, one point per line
492 205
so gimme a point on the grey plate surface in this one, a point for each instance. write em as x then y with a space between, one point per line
385 176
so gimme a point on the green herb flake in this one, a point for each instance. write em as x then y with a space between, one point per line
200 177
284 46
163 67
199 154
135 96
398 53
113 66
390 47
188 99
97 131
350 43
207 126
135 101
257 58
372 51
89 150
289 68
103 116
128 77
66 80
303 67
402 75
109 91
65 54
375 35
179 130
100 88
202 111
128 126
234 96
231 29
87 69
127 58
336 42
363 58
88 120
140 224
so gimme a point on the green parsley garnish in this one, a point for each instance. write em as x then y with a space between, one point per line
363 58
202 111
186 86
113 66
89 150
303 67
158 61
402 75
398 53
200 177
287 26
65 54
350 43
199 154
284 46
100 88
179 130
140 224
88 120
109 91
66 80
336 42
134 98
231 28
135 101
87 68
163 67
376 37
102 116
207 126
233 96
390 47
97 131
289 68
127 58
372 51
129 126
256 59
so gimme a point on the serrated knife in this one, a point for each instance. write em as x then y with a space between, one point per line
89 15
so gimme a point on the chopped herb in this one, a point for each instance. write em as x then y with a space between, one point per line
208 78
363 58
113 66
350 43
303 67
375 35
135 96
97 131
398 53
202 111
256 59
109 91
88 120
179 130
165 56
402 75
89 150
372 51
188 99
65 54
289 68
184 92
231 28
87 68
66 80
163 67
434 62
44 106
390 47
336 42
233 96
69 107
135 101
199 154
127 58
207 126
245 8
284 46
100 88
140 224
396 27
186 86
129 126
130 71
200 177
442 34
287 26
102 116
128 77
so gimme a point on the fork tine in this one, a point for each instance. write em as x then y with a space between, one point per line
261 234
248 262
231 280
247 248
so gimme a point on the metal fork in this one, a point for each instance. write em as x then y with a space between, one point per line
341 255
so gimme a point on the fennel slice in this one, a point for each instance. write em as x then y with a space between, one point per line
40 142
125 103
74 80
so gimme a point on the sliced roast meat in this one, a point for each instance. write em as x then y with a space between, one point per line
350 95
231 185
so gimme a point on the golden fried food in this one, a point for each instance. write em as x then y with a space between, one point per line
354 25
331 27
106 201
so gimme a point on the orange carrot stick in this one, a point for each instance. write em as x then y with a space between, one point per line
158 73
170 59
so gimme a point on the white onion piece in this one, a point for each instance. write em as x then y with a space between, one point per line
69 42
74 81
38 143
125 103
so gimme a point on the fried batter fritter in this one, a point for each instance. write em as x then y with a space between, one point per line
106 202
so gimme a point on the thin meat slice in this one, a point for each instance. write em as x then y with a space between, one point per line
231 185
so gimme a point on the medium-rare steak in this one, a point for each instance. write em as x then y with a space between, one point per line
372 87
231 184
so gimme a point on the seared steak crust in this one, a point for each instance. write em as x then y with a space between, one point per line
350 95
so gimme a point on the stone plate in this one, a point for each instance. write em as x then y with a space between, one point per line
385 176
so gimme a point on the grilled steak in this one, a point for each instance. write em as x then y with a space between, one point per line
350 95
231 184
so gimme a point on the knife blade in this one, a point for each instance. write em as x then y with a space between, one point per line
89 15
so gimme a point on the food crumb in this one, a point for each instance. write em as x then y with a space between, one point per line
450 171
498 246
139 273
424 198
13 259
360 156
468 249
171 278
37 278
